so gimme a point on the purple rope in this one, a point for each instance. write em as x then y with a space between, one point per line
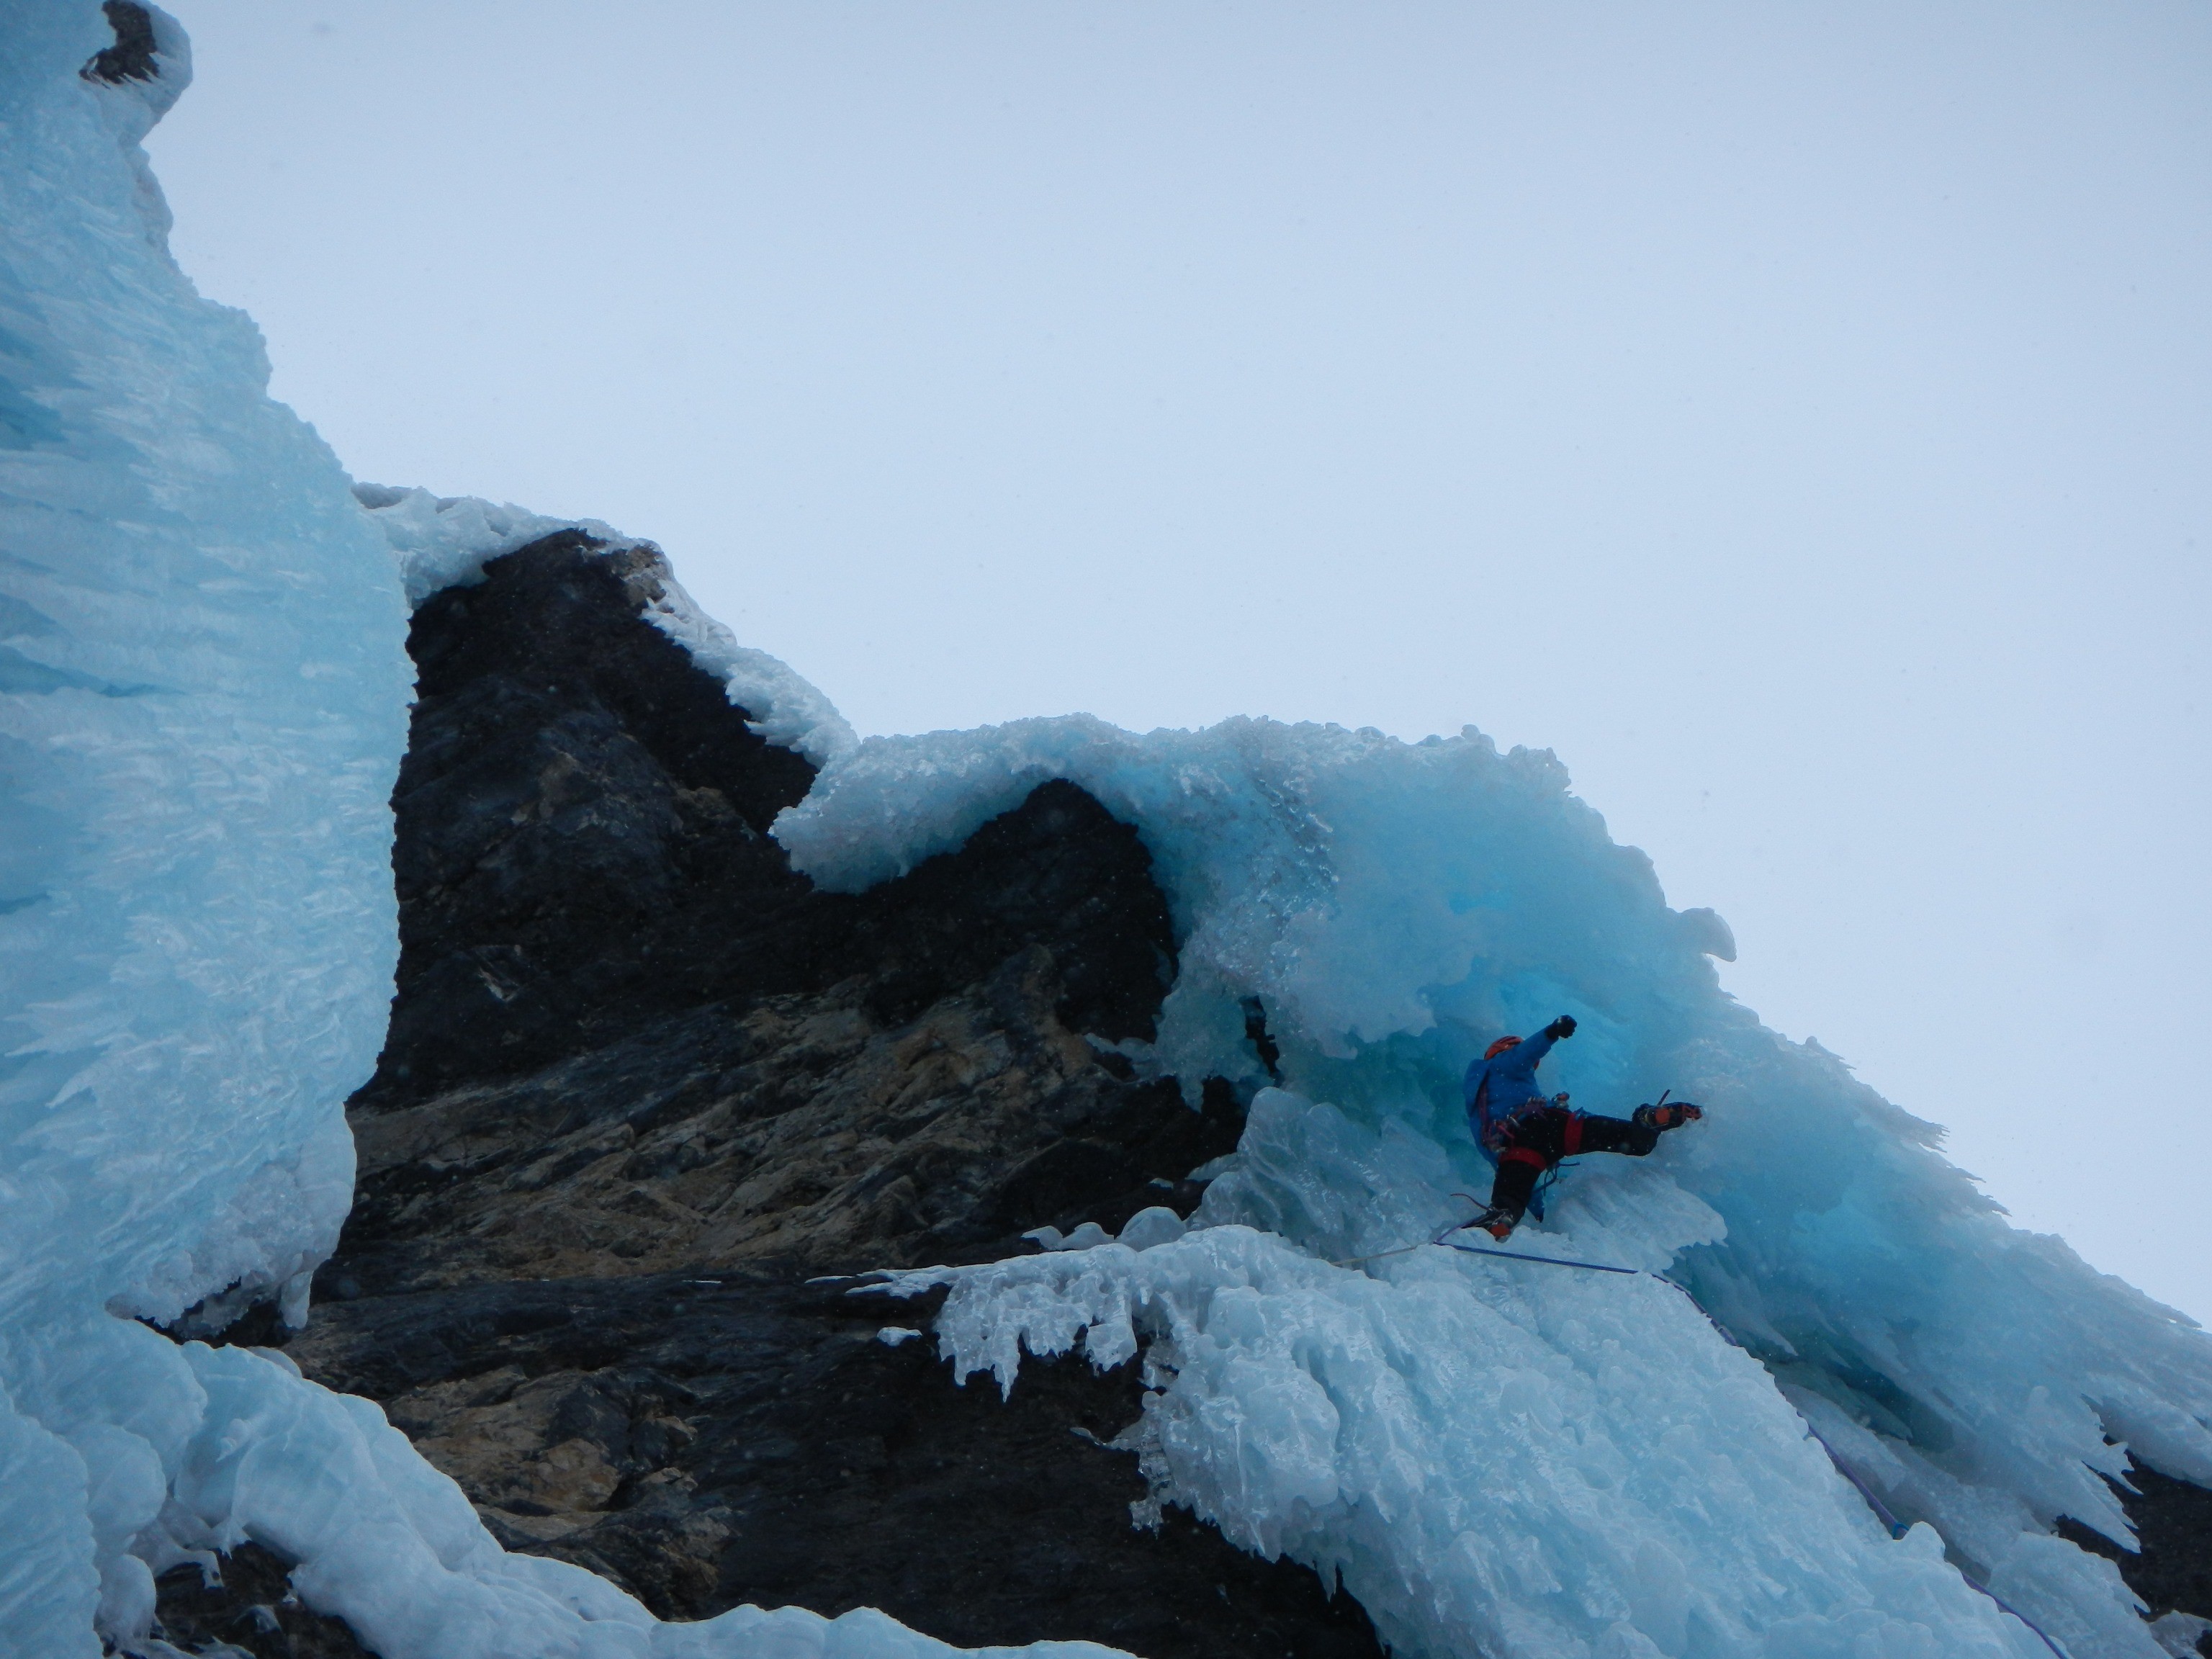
1896 1528
2004 1606
1549 1261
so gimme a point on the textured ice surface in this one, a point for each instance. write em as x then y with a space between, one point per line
1494 1466
1395 906
1348 879
203 691
444 541
201 654
2181 1632
203 704
394 1546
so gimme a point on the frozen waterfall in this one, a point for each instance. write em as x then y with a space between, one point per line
205 695
205 689
1495 1456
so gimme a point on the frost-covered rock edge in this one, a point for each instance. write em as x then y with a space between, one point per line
241 1447
445 541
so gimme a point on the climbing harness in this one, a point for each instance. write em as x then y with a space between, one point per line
1882 1512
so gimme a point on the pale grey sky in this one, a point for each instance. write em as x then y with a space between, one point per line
1796 417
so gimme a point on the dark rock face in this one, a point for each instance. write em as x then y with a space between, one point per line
802 1130
582 845
578 806
747 1438
132 58
250 1607
642 1081
2174 1523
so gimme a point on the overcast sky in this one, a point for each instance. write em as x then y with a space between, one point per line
1796 417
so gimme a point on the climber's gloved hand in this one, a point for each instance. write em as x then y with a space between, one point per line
1564 1026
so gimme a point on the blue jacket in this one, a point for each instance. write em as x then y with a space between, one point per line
1499 1089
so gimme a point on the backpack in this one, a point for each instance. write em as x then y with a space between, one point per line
1491 1129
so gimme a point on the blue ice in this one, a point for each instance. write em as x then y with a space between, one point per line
1494 1455
205 695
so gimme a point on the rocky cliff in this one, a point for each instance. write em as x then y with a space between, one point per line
645 1087
648 1093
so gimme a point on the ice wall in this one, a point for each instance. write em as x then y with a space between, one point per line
204 696
203 705
1484 1449
200 649
203 691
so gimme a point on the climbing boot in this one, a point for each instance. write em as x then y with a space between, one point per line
1672 1116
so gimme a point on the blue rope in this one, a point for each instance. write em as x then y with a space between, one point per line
1549 1261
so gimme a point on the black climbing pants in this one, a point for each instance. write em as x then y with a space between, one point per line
1539 1140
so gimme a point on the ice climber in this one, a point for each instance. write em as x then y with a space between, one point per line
1527 1133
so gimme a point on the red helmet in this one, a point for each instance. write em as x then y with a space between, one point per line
1499 1048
